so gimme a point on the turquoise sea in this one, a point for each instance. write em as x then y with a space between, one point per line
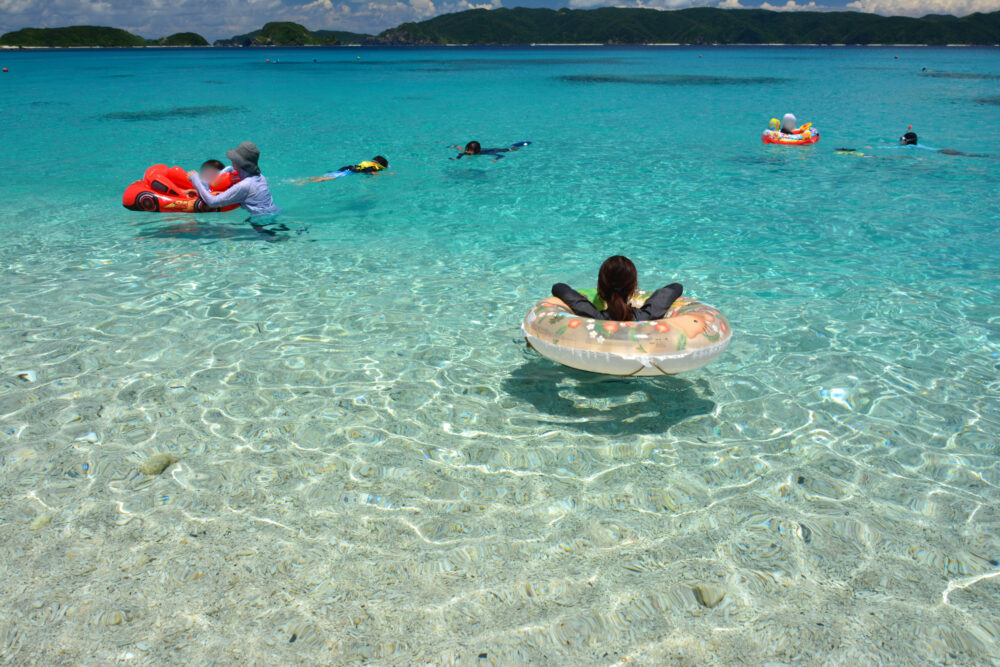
372 467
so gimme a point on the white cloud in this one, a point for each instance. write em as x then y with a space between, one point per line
15 6
423 8
885 7
924 7
792 6
643 4
223 18
663 4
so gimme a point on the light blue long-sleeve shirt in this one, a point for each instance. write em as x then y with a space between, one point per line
251 192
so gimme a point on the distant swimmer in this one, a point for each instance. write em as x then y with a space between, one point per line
910 139
473 148
369 167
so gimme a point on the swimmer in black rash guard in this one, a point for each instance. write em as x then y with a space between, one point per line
910 139
473 148
617 282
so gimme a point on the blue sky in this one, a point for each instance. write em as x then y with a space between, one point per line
225 18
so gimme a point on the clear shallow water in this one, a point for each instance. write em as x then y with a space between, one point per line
370 462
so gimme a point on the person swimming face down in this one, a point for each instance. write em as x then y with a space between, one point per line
617 281
473 148
908 139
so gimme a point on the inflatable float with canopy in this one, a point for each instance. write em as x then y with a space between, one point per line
800 136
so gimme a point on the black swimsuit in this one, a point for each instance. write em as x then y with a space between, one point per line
655 307
495 152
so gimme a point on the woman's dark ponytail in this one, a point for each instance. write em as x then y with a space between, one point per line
616 283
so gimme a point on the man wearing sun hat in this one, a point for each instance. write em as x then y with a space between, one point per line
250 192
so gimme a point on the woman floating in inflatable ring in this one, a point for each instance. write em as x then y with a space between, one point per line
786 132
618 330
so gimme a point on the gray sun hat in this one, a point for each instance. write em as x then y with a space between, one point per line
245 157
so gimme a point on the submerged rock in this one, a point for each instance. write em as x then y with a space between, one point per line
707 595
157 463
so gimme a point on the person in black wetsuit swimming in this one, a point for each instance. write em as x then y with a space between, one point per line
910 139
473 148
617 282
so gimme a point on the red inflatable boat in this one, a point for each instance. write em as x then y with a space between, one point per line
165 188
807 134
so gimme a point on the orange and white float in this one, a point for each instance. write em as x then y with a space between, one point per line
689 336
800 136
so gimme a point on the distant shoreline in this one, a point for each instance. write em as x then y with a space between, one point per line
521 27
492 46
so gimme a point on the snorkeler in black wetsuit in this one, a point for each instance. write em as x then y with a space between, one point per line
473 148
616 283
910 139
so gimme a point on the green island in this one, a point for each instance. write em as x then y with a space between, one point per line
699 25
605 25
286 33
181 39
90 35
80 35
